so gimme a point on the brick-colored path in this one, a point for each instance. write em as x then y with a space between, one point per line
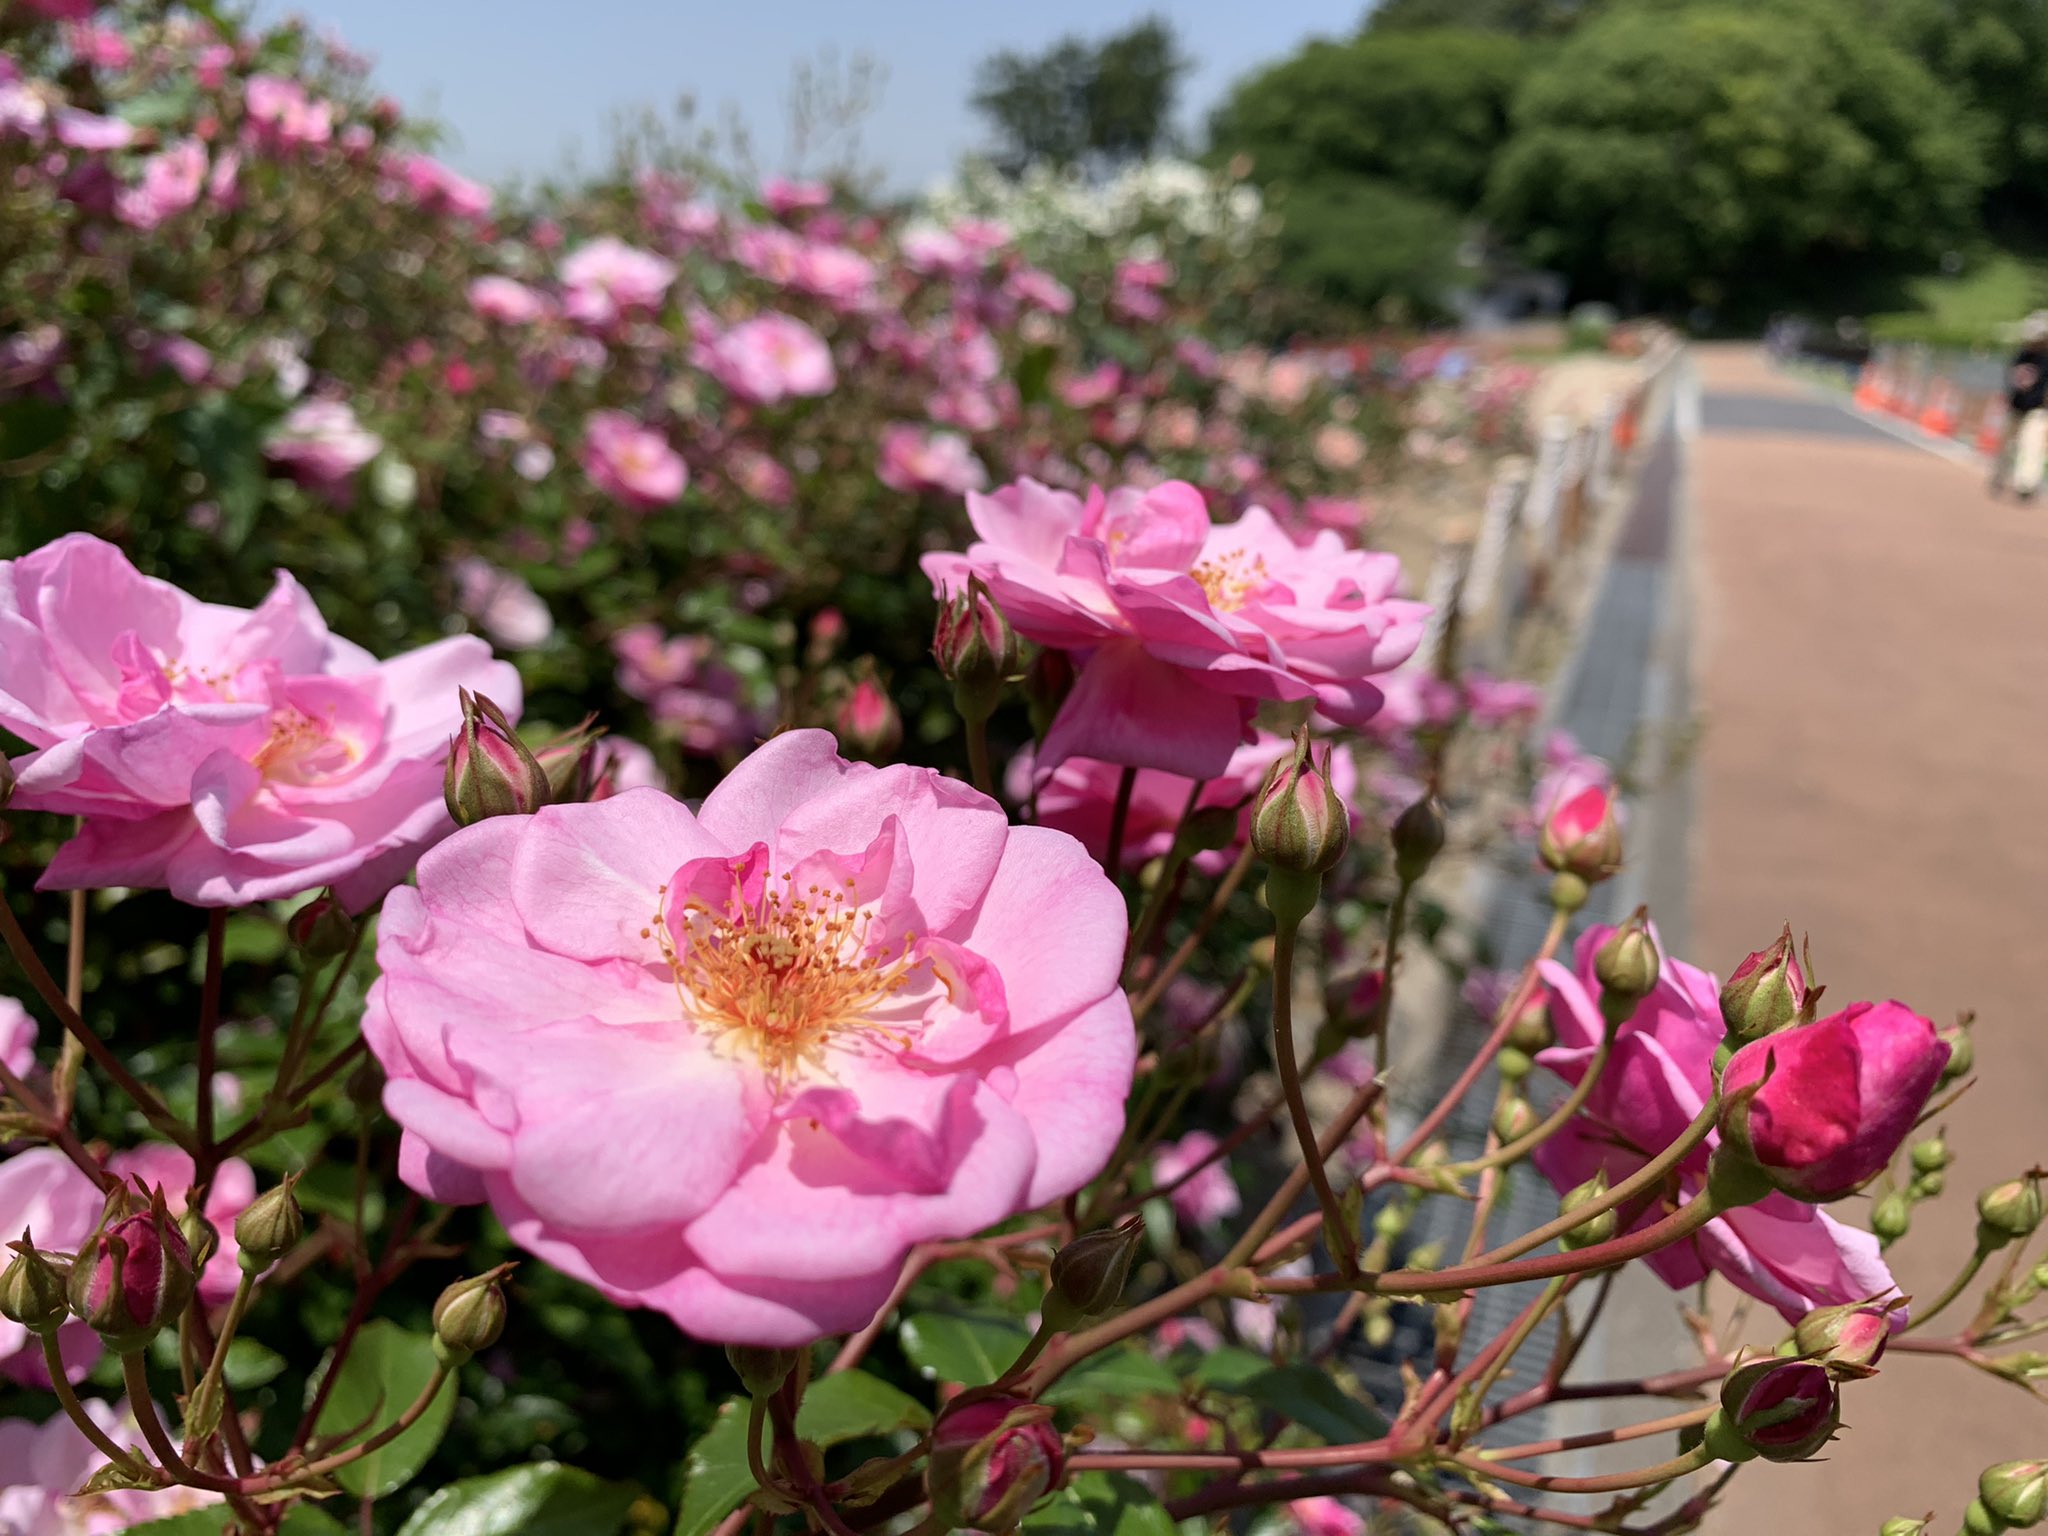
1872 673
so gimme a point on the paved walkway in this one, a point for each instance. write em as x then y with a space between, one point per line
1871 658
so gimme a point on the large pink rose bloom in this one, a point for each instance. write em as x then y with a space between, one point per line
632 464
230 755
732 1065
769 359
1184 627
1791 1255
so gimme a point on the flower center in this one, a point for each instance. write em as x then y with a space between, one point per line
785 977
301 748
1231 580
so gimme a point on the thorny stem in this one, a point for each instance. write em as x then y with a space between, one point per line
209 1027
1119 817
977 755
1338 1232
136 1376
1612 1482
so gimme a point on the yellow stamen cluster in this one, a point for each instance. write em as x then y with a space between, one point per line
786 977
1231 580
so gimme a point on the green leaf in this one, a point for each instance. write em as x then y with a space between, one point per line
969 1349
310 1520
1228 1369
303 1520
1115 1373
547 1499
250 1364
1101 1504
716 1474
1312 1399
385 1372
854 1405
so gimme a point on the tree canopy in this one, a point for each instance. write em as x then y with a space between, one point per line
1074 101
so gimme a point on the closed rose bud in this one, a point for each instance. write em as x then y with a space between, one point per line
1962 1051
1891 1217
1821 1108
573 763
1580 835
1765 993
1088 1275
270 1227
321 929
866 721
32 1289
1595 1229
1847 1339
1900 1525
760 1370
1979 1521
2016 1492
992 1458
2008 1212
132 1277
1514 1119
1627 967
1300 828
470 1315
1532 1030
1781 1410
491 772
1931 1155
976 650
1418 837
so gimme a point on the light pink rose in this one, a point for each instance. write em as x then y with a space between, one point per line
1207 1197
693 697
282 116
101 47
90 131
632 464
435 188
843 278
582 1024
1040 290
508 301
769 359
160 1165
1325 1516
782 197
501 604
1791 1255
1182 627
232 755
43 1465
61 10
916 460
322 443
1098 386
607 278
624 764
171 183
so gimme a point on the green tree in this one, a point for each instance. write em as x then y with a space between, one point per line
1994 55
1715 152
1517 18
1077 101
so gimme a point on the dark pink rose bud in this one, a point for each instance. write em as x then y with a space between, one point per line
133 1276
976 650
1781 1410
1849 1339
1299 823
1821 1108
1766 992
491 772
866 721
992 1458
1581 837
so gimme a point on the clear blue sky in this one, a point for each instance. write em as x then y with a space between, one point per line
520 82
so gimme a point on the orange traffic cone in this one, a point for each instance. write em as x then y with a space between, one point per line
1991 426
1869 394
1939 414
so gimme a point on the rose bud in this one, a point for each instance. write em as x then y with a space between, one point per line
1847 1339
1594 1229
1581 837
1766 992
1088 1275
1626 967
1891 1217
32 1289
1781 1410
321 929
1903 1525
1514 1119
866 721
1532 1030
1418 837
491 772
976 650
2008 1212
1931 1155
992 1458
761 1370
270 1227
571 762
1821 1108
470 1315
133 1276
1300 828
1962 1051
2016 1492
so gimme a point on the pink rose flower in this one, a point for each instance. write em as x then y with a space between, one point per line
1835 1098
782 197
231 755
769 359
282 116
843 278
1325 1516
632 464
508 301
608 278
1098 386
1791 1255
915 460
1185 626
90 131
501 604
434 188
171 183
43 1465
1209 1196
1040 290
321 443
733 1064
693 697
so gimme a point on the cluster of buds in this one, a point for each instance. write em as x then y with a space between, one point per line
2012 1496
992 1458
977 652
1300 827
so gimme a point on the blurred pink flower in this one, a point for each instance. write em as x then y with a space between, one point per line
171 182
632 464
501 604
769 359
760 476
1181 626
61 10
231 755
1040 290
1325 1516
1209 1196
101 47
570 1016
783 197
282 116
43 1194
90 131
916 460
1096 387
607 278
321 442
692 696
435 188
1498 701
42 1466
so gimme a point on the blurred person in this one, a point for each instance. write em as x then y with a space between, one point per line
2024 454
